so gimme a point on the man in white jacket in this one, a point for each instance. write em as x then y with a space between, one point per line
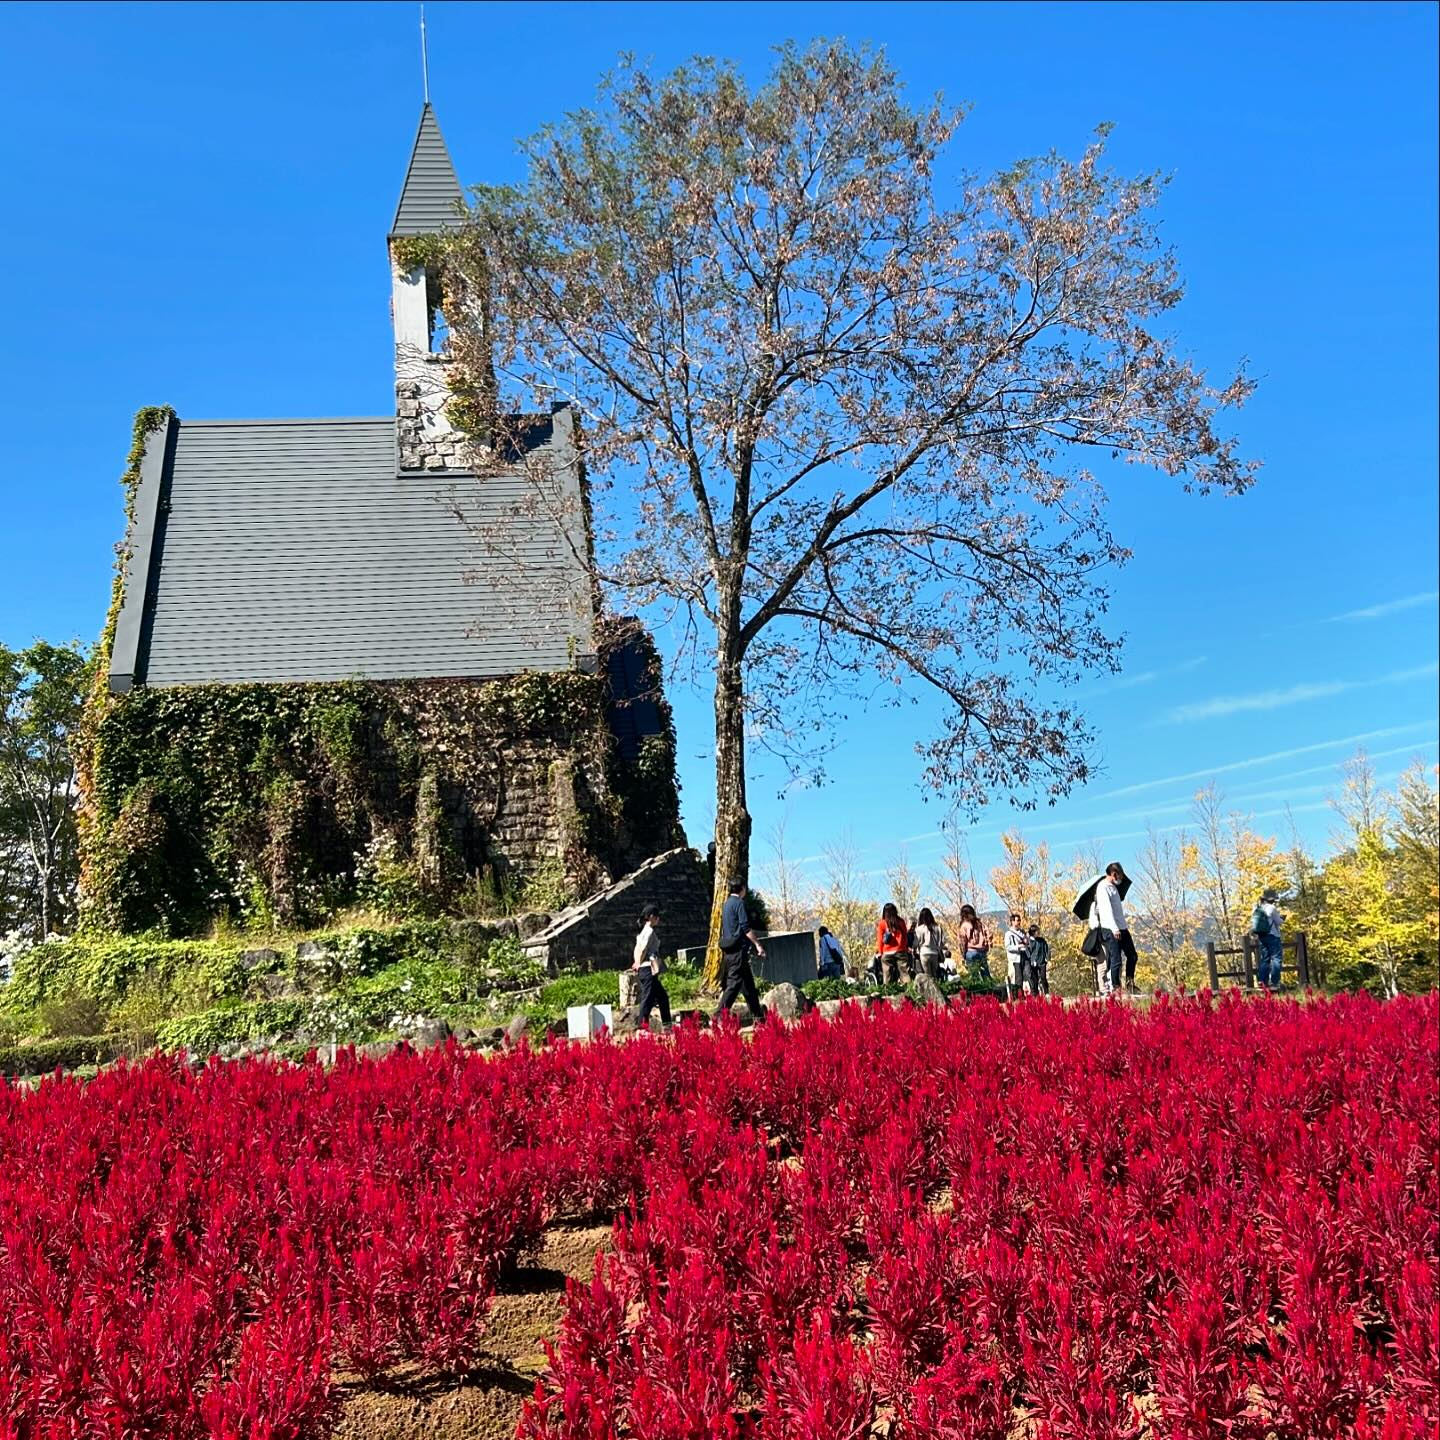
1109 915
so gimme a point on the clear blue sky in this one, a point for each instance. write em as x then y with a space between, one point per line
198 197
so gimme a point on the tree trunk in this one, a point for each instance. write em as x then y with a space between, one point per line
732 819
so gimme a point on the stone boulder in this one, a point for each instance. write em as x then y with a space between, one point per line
425 1033
278 986
629 989
515 1030
532 924
376 1049
784 1001
261 959
830 1009
314 962
927 992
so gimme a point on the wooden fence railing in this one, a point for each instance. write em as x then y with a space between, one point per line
1248 950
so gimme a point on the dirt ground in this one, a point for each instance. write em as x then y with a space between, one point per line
526 1312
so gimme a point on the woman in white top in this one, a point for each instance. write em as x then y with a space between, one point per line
650 966
929 942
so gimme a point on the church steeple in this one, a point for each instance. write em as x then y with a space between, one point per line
430 201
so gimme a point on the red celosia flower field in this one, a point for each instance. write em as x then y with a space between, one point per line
1194 1220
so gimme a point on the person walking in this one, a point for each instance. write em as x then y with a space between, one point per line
830 955
1109 915
1266 924
651 966
929 941
892 945
736 937
1039 961
1017 953
974 942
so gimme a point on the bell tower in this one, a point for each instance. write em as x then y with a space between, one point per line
430 202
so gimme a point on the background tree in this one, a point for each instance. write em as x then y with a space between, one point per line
1305 899
790 901
844 908
1166 904
1377 924
1229 864
1417 858
1025 879
955 876
848 401
1071 971
42 690
903 886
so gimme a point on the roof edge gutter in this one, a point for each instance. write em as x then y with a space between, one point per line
141 559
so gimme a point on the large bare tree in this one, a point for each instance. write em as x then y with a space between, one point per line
836 410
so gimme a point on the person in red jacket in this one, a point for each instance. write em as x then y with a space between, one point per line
892 946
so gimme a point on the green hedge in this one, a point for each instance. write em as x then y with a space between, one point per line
40 1057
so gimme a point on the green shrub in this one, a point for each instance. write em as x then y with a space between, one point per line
841 990
40 1057
411 987
103 968
226 1024
546 889
352 954
72 1012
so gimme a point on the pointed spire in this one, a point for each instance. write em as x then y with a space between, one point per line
427 201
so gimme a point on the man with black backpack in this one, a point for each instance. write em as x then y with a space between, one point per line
1265 926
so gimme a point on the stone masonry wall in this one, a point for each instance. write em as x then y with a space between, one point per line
422 443
599 933
537 815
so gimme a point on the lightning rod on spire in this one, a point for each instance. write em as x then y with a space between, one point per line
424 58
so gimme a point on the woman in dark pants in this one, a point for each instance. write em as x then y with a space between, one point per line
650 965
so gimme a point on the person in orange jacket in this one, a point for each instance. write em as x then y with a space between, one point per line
892 945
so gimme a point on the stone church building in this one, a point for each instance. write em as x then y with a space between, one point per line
286 572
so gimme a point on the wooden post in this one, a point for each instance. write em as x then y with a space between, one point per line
1210 961
1246 947
1302 959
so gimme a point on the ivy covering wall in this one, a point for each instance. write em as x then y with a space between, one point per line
282 804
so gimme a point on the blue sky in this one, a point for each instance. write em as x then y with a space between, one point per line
199 196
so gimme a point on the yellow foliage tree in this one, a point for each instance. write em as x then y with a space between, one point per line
1166 899
1228 865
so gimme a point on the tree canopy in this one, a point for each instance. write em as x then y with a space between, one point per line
852 405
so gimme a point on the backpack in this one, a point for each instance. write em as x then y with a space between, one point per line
1260 921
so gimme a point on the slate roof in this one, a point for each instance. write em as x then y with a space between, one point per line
428 199
275 550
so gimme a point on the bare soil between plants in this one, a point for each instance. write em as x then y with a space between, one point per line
407 1405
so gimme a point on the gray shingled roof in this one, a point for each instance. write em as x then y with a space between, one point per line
274 550
431 190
